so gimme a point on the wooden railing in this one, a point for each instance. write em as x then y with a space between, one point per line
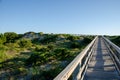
78 66
115 53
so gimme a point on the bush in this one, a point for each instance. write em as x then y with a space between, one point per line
50 47
10 37
36 57
72 38
75 45
3 56
2 39
62 53
115 39
86 40
47 74
49 38
36 41
51 73
43 49
24 43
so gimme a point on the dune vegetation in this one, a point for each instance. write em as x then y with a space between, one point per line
38 56
115 39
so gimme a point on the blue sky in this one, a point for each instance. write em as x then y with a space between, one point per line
98 17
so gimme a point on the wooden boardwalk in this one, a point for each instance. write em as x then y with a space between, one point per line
101 65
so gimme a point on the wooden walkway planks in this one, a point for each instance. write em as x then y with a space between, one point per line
101 66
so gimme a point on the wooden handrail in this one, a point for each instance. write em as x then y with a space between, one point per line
113 45
115 55
67 72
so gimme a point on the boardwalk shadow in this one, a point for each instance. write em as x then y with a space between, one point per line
99 55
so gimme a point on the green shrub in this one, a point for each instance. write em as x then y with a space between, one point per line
72 38
10 37
2 39
115 39
43 49
24 43
36 57
3 56
50 47
49 38
63 53
75 45
86 40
